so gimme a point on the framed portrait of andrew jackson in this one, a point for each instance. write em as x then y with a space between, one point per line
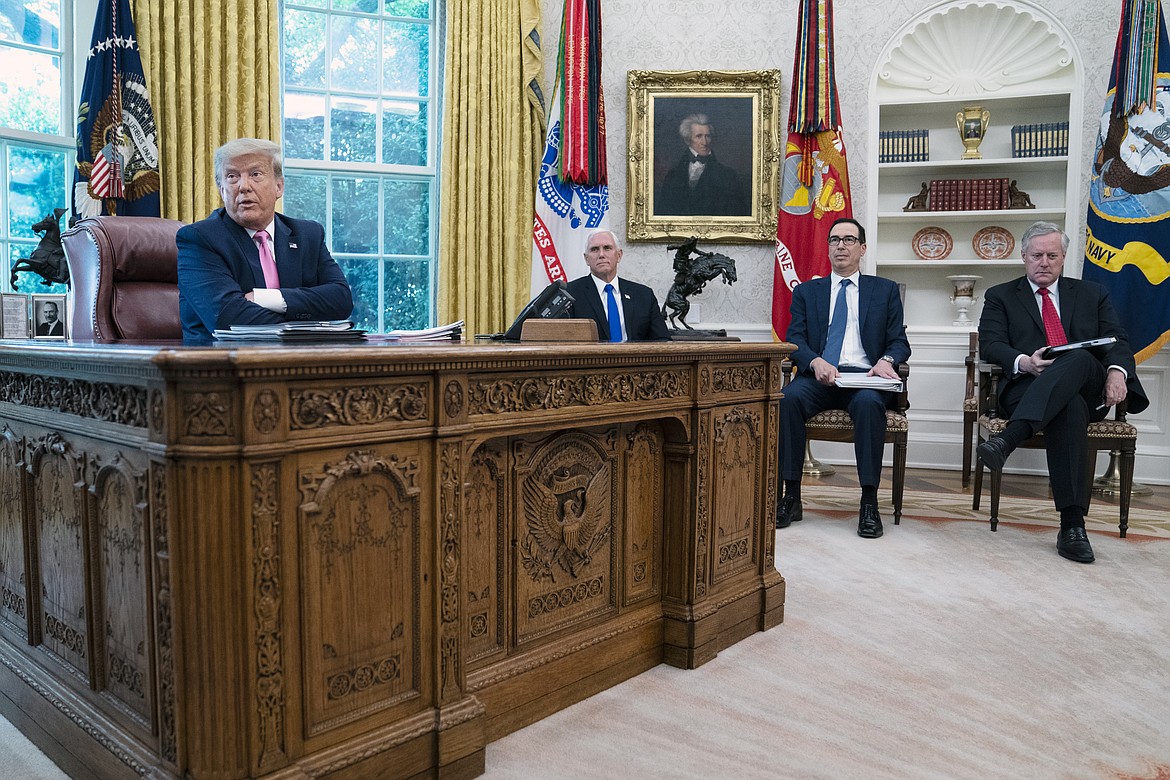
703 155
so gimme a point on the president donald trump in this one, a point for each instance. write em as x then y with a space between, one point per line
247 265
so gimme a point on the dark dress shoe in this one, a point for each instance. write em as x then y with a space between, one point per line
1073 543
790 511
869 522
994 452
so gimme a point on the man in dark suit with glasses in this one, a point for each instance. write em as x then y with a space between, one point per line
845 323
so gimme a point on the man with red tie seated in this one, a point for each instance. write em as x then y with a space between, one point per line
844 323
247 265
1062 395
623 310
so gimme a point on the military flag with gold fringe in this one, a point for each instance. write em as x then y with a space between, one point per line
572 191
814 186
1127 247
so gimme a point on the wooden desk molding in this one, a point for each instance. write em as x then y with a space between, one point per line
367 561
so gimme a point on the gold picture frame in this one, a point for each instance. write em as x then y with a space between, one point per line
665 199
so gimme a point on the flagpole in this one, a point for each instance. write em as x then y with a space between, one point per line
813 467
1109 483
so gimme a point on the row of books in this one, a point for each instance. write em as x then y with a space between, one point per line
969 194
903 146
1046 139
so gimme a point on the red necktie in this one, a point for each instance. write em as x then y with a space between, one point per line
268 262
1052 327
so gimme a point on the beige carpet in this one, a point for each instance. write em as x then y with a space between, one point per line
941 650
1103 516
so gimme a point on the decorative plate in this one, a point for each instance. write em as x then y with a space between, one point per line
932 243
993 243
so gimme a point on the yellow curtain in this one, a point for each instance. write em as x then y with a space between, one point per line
213 72
492 142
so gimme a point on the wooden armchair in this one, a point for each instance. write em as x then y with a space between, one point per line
1115 434
837 425
970 405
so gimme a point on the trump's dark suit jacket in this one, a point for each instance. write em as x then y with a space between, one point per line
1011 325
219 263
640 308
879 319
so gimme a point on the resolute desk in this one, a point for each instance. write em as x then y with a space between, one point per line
372 560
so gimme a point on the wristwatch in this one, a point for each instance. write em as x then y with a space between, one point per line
888 359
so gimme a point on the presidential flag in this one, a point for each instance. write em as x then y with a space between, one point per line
814 186
572 194
117 144
1127 248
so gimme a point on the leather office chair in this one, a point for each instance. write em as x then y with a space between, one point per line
837 425
1115 434
124 280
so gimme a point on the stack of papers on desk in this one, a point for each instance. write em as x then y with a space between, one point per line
859 380
309 331
450 332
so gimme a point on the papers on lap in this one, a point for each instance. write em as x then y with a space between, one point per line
856 381
1101 342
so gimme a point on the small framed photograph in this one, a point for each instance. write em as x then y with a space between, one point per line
703 155
15 324
49 318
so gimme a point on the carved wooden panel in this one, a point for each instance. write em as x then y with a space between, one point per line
642 531
566 555
485 529
123 585
360 531
738 481
59 516
13 593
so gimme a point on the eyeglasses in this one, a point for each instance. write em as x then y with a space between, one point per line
846 240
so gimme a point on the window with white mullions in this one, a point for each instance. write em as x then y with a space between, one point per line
36 145
360 138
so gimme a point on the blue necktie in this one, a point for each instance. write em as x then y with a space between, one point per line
615 319
837 326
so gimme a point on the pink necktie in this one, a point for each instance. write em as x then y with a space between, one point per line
267 261
1052 327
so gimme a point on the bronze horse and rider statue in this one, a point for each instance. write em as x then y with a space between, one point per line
48 258
693 268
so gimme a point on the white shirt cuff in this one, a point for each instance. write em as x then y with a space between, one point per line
270 299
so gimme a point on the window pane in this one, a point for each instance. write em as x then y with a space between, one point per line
36 22
363 6
408 294
30 96
353 130
404 133
408 217
36 186
304 126
305 197
363 281
407 57
355 215
415 9
354 63
304 49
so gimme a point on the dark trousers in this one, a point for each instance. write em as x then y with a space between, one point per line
805 396
1061 402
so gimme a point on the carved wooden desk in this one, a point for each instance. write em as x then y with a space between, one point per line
367 561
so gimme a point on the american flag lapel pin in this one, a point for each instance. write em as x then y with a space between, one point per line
626 296
291 245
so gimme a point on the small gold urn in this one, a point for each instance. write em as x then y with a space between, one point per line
972 124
